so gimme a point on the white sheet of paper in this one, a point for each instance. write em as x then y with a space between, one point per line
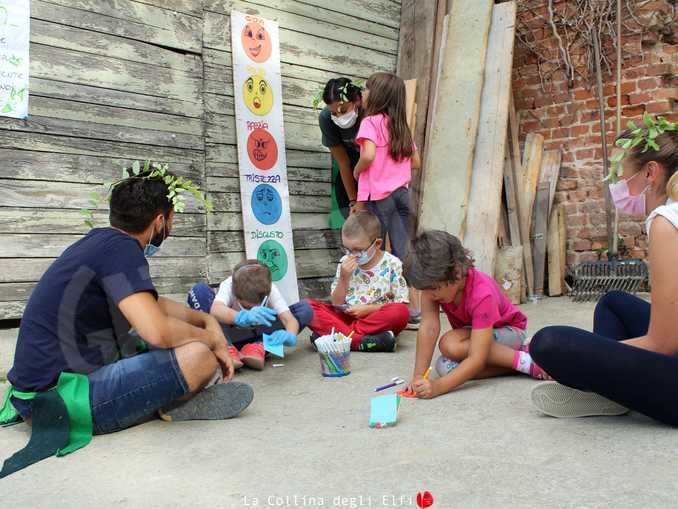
15 18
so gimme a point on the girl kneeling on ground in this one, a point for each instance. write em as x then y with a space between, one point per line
488 331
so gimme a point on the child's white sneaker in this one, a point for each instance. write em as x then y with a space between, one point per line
445 365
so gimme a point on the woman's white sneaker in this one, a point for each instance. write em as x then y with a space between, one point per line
557 400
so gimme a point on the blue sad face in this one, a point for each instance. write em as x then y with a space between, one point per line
266 204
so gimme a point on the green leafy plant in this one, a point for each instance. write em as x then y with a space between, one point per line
177 186
646 133
317 99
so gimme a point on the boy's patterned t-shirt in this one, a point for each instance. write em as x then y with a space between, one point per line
382 284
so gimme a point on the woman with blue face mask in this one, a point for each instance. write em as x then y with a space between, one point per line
339 121
630 360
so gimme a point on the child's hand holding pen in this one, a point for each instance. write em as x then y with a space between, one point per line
422 386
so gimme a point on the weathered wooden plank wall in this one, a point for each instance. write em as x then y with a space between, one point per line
132 79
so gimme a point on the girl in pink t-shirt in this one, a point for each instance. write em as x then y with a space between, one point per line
488 332
387 156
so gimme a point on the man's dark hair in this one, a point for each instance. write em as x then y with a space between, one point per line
436 257
135 201
252 281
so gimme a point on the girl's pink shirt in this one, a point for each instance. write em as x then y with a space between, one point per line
384 175
483 306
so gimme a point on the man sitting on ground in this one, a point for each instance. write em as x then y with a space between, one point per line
79 317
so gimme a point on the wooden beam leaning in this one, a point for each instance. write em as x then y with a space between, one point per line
532 157
541 207
415 62
484 205
511 199
556 251
550 171
410 104
442 24
447 176
521 198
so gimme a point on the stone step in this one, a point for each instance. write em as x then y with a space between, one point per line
7 344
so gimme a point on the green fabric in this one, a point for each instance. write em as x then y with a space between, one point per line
74 390
336 219
141 347
49 433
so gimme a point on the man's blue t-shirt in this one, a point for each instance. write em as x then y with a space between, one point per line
72 321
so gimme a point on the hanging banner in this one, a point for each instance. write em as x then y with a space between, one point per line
264 192
14 34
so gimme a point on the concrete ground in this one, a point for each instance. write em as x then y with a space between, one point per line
305 442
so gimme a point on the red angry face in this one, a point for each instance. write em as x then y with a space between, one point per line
262 149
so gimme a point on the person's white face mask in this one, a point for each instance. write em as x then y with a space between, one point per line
347 120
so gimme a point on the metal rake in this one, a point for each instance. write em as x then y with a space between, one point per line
592 280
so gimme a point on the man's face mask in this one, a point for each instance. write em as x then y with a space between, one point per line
154 242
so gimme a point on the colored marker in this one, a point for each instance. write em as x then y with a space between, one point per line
428 372
396 381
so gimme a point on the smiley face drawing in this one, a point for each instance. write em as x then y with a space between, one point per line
258 95
256 42
273 255
266 204
262 149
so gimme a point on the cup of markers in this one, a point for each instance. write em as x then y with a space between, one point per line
335 354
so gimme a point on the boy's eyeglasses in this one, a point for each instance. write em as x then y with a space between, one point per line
357 252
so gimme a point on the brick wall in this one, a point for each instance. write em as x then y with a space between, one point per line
565 111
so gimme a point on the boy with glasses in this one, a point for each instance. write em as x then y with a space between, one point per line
369 294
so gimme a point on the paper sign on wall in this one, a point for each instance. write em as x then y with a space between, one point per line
14 36
264 192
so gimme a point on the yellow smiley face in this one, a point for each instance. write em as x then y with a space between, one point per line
258 95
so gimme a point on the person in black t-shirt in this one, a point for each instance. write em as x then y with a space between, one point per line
339 121
97 299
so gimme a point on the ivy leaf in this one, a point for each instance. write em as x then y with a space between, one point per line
617 156
135 167
147 165
647 120
652 144
632 125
